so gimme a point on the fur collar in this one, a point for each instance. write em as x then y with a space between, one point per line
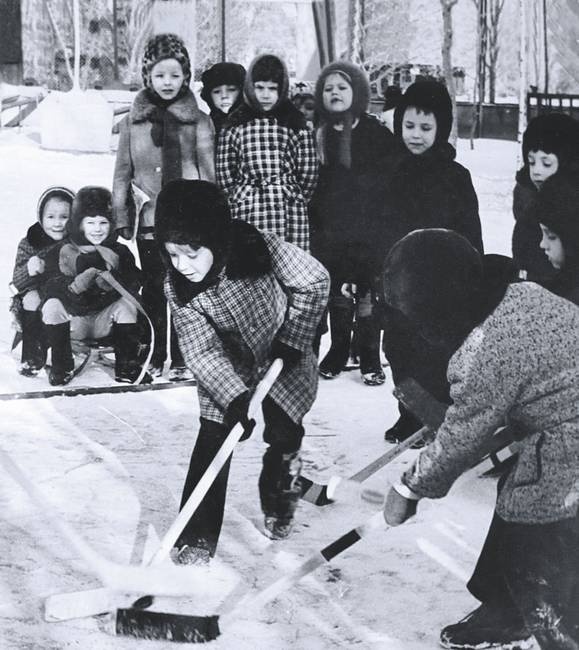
37 238
184 109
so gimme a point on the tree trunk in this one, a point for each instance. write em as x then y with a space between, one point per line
447 6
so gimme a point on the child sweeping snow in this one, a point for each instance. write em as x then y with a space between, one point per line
239 298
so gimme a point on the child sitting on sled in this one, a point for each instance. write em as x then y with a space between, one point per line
78 302
53 213
239 299
515 356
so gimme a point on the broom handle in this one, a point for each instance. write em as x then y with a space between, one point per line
214 468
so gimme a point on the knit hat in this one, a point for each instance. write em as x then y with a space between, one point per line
434 277
357 79
266 67
56 192
91 201
556 133
221 74
429 96
165 46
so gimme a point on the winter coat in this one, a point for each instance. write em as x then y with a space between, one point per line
226 331
138 168
527 254
520 365
268 170
347 207
67 260
431 190
36 242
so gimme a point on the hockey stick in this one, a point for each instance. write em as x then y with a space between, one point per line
78 604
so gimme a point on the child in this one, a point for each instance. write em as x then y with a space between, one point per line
515 355
266 161
165 136
52 213
78 303
222 91
306 104
392 96
240 298
428 190
556 212
550 145
357 154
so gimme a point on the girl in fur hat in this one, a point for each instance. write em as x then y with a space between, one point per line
77 302
356 153
239 298
222 91
165 136
266 159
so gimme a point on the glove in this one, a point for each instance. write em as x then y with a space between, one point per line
84 280
398 508
125 233
35 265
237 412
280 350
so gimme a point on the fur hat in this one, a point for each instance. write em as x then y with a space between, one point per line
357 79
91 201
266 67
165 46
221 74
56 192
429 96
556 133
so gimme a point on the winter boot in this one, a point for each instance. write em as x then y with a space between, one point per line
127 343
62 368
279 491
33 344
198 554
489 627
403 428
341 311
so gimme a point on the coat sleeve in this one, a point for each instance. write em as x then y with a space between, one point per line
227 161
484 387
205 143
20 278
306 284
203 352
468 223
306 163
123 208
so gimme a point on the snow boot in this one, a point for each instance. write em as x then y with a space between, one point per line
403 428
180 373
62 368
200 554
127 343
33 344
488 627
341 314
279 491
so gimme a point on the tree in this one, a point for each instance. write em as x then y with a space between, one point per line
495 10
447 7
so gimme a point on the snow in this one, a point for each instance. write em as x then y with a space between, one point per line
113 466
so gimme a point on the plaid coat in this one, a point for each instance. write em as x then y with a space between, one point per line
269 172
225 332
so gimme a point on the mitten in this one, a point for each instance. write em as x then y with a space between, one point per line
35 265
398 508
103 284
125 233
84 280
280 350
237 412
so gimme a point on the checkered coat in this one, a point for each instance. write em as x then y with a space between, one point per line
269 172
225 332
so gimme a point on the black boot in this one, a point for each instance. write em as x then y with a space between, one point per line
33 344
62 369
369 348
127 344
279 491
341 311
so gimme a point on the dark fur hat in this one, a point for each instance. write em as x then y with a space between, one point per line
91 201
357 79
429 96
165 46
221 74
555 133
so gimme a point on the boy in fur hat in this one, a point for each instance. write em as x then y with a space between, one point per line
357 153
429 189
550 146
165 136
240 298
222 91
266 160
556 211
77 302
515 357
53 213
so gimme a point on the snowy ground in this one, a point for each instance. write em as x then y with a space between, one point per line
113 467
